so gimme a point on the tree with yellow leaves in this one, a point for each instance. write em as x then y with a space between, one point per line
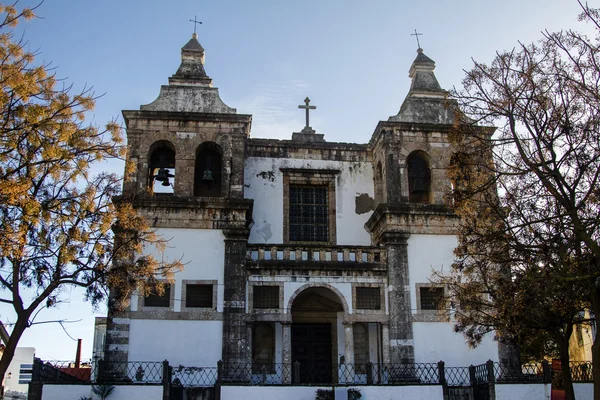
58 221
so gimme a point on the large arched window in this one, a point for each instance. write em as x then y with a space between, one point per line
419 178
161 168
208 173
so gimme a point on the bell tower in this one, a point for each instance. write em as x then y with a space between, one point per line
410 157
189 149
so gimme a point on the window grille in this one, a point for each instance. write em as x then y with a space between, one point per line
368 298
309 218
431 297
154 300
265 297
197 295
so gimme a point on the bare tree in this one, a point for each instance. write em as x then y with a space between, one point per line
528 196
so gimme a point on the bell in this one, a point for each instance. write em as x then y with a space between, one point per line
207 177
163 176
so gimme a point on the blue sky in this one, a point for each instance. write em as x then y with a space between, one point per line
350 57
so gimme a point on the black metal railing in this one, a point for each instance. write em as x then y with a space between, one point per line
151 372
194 376
457 376
132 372
581 371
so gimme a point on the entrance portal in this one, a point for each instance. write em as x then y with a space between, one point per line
316 314
311 347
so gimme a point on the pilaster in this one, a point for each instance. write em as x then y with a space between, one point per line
236 341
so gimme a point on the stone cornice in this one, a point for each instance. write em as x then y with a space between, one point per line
184 116
407 218
231 215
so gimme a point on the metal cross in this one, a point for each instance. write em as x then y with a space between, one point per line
307 107
416 35
196 22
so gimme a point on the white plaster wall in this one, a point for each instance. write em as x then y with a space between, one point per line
187 343
583 391
401 392
437 341
537 391
269 392
267 191
427 253
23 355
63 392
203 253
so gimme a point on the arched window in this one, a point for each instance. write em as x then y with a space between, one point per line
208 173
419 178
361 347
161 168
263 347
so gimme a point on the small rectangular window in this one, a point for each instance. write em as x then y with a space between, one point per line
368 298
154 300
431 297
200 296
265 297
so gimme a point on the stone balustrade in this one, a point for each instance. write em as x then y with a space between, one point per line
353 257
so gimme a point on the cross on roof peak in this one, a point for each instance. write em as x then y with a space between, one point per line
196 22
416 35
307 107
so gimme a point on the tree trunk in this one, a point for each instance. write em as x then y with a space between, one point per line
565 362
596 345
11 346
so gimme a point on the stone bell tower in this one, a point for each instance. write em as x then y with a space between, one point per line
410 157
189 149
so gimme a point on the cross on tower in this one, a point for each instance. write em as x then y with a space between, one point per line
416 35
307 108
196 22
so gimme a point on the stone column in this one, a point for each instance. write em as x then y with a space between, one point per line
349 347
400 323
286 351
385 343
236 346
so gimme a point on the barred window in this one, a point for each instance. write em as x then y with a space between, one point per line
265 297
199 295
368 298
309 218
153 299
431 297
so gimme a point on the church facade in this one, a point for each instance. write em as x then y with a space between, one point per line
297 252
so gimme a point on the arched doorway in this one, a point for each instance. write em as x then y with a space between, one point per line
316 314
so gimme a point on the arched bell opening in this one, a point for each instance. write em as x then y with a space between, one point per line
161 168
419 178
208 172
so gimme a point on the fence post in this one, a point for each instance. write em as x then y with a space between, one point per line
547 372
472 381
296 371
442 375
491 379
166 380
369 373
219 380
36 385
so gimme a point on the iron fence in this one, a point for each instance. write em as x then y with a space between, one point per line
133 372
194 376
581 371
457 376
